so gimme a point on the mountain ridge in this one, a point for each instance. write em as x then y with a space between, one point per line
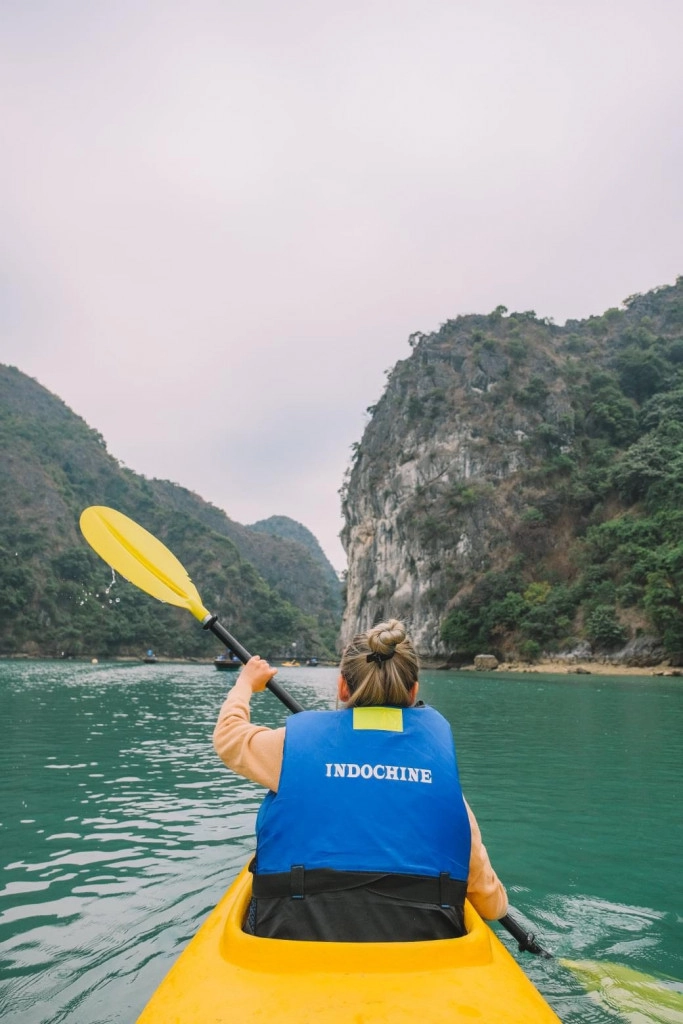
52 465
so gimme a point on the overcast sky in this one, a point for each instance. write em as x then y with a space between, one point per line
220 221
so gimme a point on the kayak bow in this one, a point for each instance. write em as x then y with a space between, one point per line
225 975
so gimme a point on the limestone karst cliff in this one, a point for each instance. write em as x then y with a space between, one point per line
482 499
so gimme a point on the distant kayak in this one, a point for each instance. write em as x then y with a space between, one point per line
225 976
224 663
291 664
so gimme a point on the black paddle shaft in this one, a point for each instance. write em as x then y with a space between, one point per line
525 940
243 654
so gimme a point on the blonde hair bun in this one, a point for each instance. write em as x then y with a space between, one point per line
386 636
380 666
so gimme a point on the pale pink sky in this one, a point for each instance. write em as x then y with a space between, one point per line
222 220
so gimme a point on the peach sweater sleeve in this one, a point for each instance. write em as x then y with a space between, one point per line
255 752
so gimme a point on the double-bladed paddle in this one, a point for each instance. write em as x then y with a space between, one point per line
147 563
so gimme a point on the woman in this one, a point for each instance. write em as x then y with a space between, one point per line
365 834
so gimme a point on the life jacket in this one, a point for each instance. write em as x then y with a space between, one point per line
366 793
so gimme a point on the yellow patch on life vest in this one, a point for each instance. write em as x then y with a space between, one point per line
382 719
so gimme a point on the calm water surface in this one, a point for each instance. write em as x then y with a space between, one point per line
120 829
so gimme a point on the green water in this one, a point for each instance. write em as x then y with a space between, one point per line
120 829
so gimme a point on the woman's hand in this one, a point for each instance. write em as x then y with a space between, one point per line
257 672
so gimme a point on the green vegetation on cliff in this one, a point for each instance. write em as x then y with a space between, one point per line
537 497
57 597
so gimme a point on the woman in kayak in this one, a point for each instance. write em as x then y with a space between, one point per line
365 835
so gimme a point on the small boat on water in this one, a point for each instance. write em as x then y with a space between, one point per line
227 663
150 658
225 976
291 664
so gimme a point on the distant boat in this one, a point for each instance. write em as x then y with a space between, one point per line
227 663
291 664
311 662
150 658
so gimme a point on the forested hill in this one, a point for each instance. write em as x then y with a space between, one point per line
288 529
56 595
519 487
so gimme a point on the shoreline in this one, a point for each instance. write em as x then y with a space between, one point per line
131 659
585 667
547 666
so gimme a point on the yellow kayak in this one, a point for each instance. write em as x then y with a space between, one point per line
225 975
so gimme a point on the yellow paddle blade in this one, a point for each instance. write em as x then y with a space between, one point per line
636 997
142 559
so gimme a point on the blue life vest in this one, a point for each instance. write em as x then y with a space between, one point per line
366 789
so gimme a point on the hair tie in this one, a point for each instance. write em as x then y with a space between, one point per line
378 658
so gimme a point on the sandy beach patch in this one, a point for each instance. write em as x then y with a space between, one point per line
595 668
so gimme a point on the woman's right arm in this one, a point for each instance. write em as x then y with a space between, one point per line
253 751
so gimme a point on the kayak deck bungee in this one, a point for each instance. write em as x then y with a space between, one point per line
225 975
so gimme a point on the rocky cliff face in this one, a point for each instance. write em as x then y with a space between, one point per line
427 503
456 474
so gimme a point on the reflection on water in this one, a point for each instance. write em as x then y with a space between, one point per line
120 828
